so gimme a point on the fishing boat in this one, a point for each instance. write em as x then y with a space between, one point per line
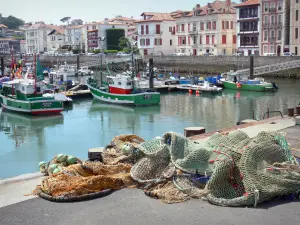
236 81
120 90
26 95
202 88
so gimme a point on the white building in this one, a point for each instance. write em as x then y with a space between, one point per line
4 46
156 34
55 39
208 29
22 46
36 37
75 36
97 30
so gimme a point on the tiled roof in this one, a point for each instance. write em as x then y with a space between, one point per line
3 26
249 2
215 7
122 18
154 16
75 27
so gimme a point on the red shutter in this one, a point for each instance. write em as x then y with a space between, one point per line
200 40
207 39
147 42
157 28
209 25
189 26
223 25
147 29
231 23
213 39
178 40
177 28
223 39
202 26
142 29
234 39
160 41
214 25
182 27
189 40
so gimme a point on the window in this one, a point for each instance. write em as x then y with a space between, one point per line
194 40
177 28
142 29
213 39
182 27
266 18
179 40
38 89
224 51
157 28
296 33
296 50
297 15
200 40
183 41
208 26
147 29
279 20
119 83
207 39
157 41
265 35
272 19
266 49
272 7
224 39
279 35
171 42
227 25
214 25
194 27
272 49
189 27
279 6
170 29
223 24
266 7
87 27
272 34
234 39
142 42
231 25
202 26
52 38
147 41
128 83
94 27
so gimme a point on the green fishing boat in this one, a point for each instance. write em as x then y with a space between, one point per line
238 82
26 95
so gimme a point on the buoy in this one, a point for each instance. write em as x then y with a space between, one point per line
62 158
238 85
190 91
197 95
42 163
71 160
57 170
197 92
52 167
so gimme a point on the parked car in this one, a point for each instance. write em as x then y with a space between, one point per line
237 54
122 54
288 54
90 54
269 54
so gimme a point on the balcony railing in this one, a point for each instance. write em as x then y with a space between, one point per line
271 10
272 25
246 16
249 30
247 44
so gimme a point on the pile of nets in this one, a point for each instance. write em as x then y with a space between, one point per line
228 169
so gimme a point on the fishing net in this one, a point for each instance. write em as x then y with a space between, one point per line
228 169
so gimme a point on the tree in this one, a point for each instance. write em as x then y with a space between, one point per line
11 22
76 22
65 19
124 43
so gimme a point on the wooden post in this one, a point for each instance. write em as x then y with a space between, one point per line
151 73
77 62
251 66
2 66
268 113
191 131
291 112
298 110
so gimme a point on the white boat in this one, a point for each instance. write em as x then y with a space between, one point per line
84 70
60 97
205 87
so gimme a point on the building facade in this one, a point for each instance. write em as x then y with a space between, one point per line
295 27
156 34
36 37
3 29
96 37
209 29
274 27
55 39
22 46
4 46
248 27
75 36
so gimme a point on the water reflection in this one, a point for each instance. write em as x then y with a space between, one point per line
19 127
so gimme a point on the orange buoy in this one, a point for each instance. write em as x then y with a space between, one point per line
190 91
238 85
197 92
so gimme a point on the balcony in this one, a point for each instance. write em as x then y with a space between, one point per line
272 10
255 30
249 45
272 25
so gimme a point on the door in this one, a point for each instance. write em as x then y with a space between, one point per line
194 51
145 52
278 50
249 52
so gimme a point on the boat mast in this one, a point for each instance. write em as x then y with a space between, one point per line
34 60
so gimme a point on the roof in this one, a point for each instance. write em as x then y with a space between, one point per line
122 18
75 27
8 39
248 3
47 26
3 26
215 7
156 17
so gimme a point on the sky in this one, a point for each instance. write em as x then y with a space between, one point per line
89 10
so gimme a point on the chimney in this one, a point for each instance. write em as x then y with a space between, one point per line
198 6
228 3
106 21
209 5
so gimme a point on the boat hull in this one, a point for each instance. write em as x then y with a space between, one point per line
139 99
249 87
40 107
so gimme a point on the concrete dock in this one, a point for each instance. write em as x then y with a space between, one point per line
131 206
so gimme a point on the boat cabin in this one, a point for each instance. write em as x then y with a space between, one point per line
22 89
120 84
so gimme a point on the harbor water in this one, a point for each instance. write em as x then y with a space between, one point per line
26 140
